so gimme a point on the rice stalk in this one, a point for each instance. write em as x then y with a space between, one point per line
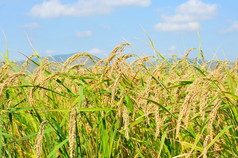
129 107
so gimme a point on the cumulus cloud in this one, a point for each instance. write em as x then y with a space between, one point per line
95 51
84 34
187 16
32 26
172 48
116 3
55 8
232 28
166 26
195 10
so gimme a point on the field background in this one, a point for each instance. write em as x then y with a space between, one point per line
121 106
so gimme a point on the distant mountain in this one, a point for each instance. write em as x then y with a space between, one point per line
87 62
83 60
77 60
61 57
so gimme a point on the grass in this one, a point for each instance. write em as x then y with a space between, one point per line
119 108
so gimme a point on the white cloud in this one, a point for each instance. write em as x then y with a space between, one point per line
177 18
187 16
197 10
117 3
167 26
232 28
84 34
54 8
172 48
32 26
95 51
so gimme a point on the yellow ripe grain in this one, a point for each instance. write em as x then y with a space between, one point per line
72 131
213 115
205 143
125 116
114 88
39 139
9 80
158 121
189 100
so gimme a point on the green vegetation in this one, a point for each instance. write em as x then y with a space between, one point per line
148 107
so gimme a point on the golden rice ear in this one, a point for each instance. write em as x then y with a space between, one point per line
10 80
98 63
143 60
125 116
120 48
114 87
187 105
213 115
39 139
73 58
158 121
77 56
205 143
72 131
187 53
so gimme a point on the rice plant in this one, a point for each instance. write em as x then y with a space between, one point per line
121 106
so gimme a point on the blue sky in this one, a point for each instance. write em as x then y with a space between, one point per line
97 26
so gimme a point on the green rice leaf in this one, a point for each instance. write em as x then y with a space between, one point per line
56 148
